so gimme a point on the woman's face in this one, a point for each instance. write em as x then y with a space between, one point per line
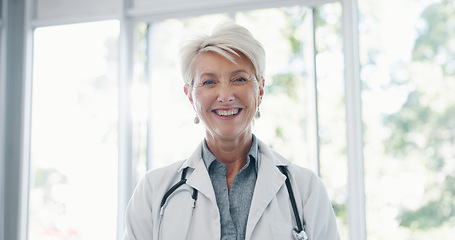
225 95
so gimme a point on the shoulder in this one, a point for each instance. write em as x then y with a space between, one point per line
160 179
162 175
301 173
306 181
154 184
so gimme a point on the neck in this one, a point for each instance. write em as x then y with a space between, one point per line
232 152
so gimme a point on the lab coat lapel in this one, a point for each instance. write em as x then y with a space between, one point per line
268 182
199 178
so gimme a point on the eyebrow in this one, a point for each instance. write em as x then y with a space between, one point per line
240 71
213 75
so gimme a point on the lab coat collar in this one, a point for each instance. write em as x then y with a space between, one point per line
268 183
193 160
198 176
264 149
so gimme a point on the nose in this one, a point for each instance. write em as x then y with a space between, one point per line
225 94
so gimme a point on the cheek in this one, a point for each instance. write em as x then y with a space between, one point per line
253 94
201 99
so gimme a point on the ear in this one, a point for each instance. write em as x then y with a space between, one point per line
261 89
187 90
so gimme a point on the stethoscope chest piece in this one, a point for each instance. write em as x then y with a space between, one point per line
299 235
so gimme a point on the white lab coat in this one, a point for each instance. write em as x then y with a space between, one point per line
270 216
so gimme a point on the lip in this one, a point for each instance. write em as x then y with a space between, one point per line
227 117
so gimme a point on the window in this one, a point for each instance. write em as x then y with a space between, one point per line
331 127
408 109
73 191
77 108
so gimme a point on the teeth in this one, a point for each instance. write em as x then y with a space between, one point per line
227 112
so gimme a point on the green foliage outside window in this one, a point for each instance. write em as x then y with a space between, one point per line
425 125
410 170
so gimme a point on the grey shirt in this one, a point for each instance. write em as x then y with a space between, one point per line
234 205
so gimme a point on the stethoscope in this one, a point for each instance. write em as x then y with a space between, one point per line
298 232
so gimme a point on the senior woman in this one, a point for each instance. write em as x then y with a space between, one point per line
233 186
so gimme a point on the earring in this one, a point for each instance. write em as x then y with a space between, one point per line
197 120
258 113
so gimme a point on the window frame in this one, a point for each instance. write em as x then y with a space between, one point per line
15 70
2 113
354 129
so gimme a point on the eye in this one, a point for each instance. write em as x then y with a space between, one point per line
240 79
208 82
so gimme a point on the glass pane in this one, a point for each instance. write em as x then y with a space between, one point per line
408 74
73 193
140 101
332 108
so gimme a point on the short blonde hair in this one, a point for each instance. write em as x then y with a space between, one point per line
227 39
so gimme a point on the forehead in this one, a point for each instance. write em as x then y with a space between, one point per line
211 62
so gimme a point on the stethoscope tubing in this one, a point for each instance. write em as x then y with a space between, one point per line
298 233
168 194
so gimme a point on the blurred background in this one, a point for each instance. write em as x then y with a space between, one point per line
360 92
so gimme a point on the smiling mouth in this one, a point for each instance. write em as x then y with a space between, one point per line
227 113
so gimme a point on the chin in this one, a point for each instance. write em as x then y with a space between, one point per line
233 132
